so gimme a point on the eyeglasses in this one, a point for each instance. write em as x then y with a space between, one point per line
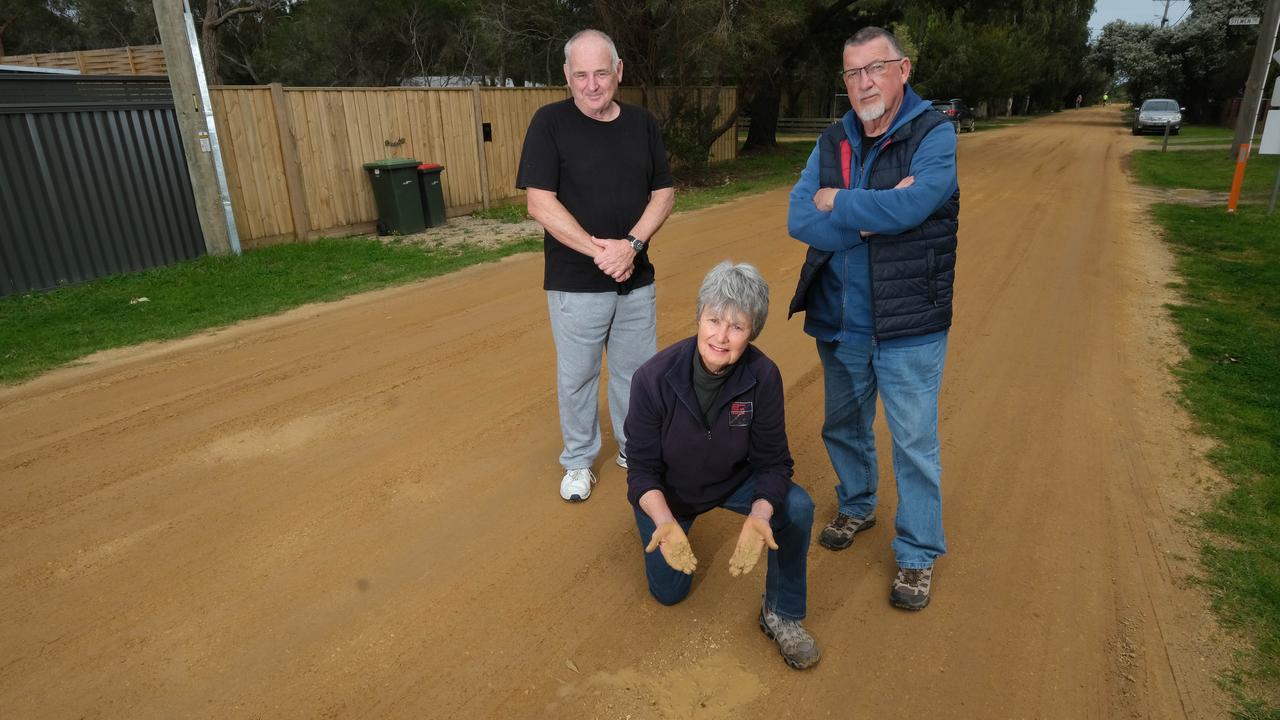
872 70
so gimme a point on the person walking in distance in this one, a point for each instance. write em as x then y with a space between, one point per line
596 176
878 205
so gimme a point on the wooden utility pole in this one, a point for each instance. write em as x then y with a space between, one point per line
1164 19
1248 119
195 124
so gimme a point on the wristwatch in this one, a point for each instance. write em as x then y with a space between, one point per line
636 244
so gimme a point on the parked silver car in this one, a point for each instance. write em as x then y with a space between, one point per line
1155 114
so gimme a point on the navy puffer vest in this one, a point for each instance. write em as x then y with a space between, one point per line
912 273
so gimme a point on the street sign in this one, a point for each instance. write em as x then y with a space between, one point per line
1270 143
1245 20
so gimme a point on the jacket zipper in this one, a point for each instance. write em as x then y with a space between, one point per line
702 416
871 276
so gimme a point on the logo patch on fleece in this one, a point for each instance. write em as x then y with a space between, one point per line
739 414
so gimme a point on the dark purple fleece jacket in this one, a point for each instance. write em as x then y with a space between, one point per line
670 447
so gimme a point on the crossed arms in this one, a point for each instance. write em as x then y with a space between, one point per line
834 219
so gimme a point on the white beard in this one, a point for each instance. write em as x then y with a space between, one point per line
872 112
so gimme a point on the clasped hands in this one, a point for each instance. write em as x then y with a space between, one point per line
670 540
615 258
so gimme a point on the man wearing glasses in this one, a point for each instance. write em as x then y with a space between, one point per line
878 205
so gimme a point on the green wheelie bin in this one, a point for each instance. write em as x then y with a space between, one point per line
395 190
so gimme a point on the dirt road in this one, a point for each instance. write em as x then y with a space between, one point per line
352 511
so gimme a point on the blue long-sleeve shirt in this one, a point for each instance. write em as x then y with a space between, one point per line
878 211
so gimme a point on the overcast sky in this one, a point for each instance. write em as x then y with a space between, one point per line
1133 11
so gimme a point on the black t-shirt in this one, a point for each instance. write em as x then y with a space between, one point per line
603 173
867 144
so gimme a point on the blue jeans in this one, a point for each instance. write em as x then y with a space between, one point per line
908 380
786 581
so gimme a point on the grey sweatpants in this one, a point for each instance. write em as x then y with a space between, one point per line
586 325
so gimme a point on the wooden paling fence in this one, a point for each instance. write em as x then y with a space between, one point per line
132 60
295 156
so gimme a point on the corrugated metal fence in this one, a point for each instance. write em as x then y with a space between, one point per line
93 181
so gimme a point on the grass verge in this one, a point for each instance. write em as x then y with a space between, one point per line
516 212
1198 133
757 172
41 331
1205 170
1229 320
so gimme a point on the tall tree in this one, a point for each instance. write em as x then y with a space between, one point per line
375 42
114 23
994 51
35 27
524 39
216 14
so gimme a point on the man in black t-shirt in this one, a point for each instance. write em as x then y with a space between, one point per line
596 175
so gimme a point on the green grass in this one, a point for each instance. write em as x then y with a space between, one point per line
1229 320
514 212
1193 134
1205 170
748 174
41 331
1201 135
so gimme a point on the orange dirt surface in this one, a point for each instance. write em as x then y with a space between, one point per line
351 510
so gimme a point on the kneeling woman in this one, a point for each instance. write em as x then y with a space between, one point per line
706 429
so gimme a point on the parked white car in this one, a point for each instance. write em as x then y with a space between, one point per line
1155 114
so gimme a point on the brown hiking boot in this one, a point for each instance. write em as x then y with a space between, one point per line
794 642
911 588
838 534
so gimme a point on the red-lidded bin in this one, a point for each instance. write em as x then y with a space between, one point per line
432 193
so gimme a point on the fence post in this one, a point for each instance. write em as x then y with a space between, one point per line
292 165
480 153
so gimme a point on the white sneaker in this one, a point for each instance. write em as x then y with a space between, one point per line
621 460
576 484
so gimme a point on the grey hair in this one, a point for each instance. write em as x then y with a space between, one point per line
613 49
871 32
736 287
